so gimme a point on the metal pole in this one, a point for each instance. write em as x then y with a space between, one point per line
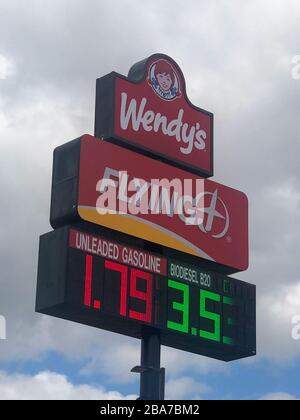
152 385
150 358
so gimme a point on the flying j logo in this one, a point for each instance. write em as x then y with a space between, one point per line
121 195
150 112
219 234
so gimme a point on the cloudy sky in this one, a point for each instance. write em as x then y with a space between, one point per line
237 57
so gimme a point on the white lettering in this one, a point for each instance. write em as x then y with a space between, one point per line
200 140
183 273
141 260
187 199
191 135
148 120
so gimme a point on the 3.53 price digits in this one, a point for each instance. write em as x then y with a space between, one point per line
181 308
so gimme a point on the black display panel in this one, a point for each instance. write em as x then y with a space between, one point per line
92 280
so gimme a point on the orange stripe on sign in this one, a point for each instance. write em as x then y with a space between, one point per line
141 229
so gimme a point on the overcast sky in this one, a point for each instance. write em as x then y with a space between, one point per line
237 59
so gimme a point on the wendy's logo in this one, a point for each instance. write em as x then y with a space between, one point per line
148 107
164 80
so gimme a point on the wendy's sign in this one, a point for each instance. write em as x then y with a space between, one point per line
149 112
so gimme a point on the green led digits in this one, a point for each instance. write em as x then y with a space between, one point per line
182 307
216 318
227 340
215 311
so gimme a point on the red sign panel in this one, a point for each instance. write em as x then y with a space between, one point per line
151 112
123 181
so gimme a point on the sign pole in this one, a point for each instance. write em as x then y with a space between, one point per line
152 383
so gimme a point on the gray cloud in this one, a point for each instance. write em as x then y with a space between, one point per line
237 65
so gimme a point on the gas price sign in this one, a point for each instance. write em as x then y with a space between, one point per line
95 281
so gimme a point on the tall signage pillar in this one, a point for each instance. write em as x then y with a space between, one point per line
134 253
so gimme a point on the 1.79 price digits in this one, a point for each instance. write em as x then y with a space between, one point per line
128 280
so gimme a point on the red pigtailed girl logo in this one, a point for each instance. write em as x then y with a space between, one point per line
164 80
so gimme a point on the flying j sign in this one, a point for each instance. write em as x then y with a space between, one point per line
149 111
98 182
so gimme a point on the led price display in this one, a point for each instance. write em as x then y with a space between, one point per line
200 312
92 280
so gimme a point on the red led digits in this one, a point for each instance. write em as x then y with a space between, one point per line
146 296
88 283
88 280
123 270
